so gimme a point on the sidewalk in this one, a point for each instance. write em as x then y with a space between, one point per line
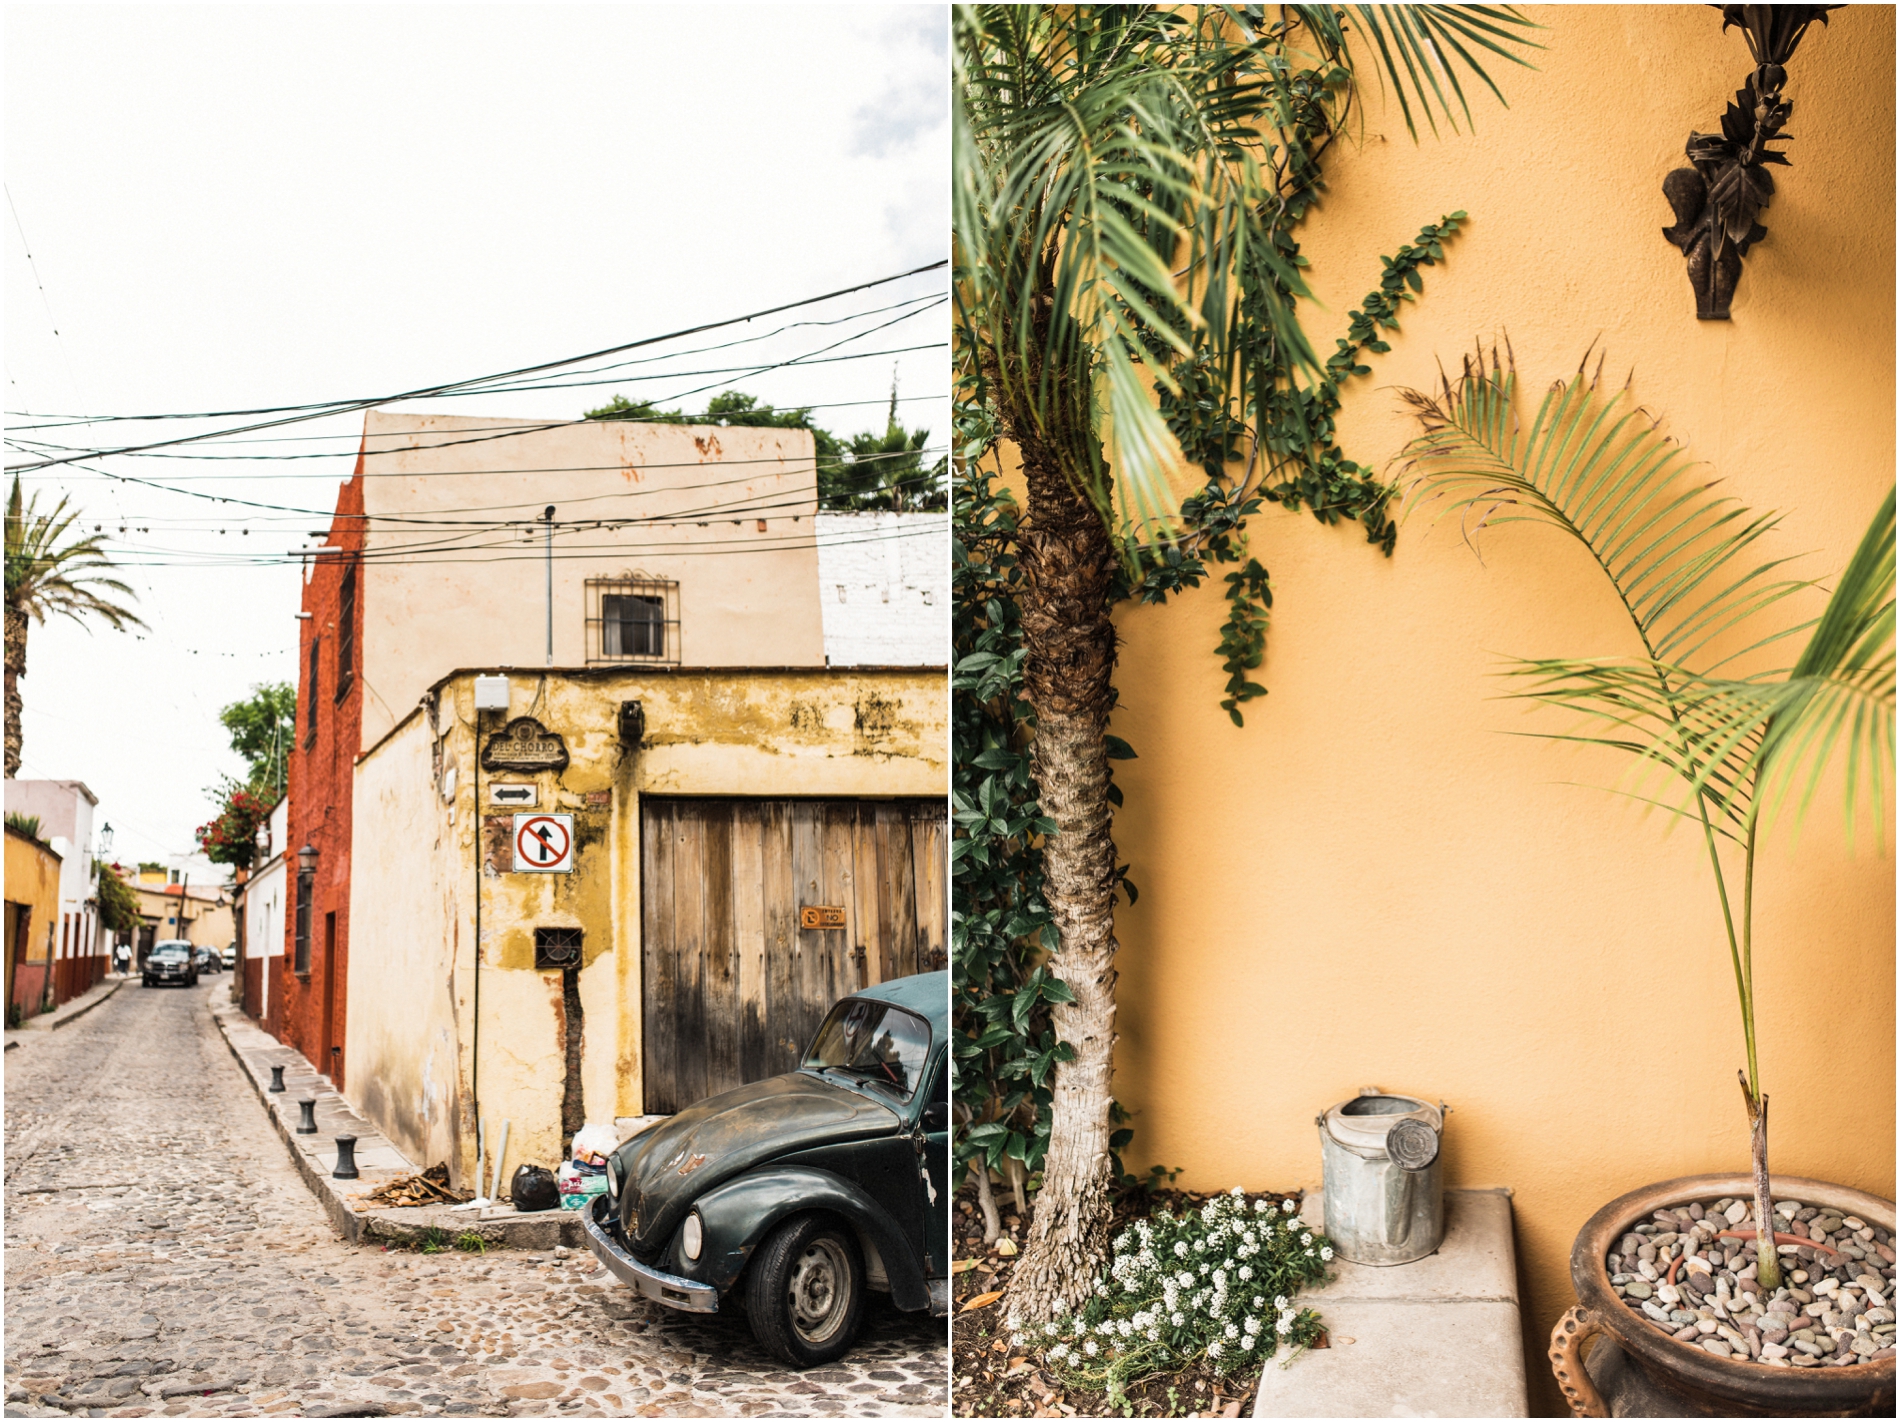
76 1007
377 1159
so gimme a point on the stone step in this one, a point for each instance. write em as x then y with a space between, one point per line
1440 1337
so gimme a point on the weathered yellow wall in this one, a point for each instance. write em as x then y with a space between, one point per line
768 733
748 596
1370 883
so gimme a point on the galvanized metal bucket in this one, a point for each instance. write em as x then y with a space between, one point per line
1384 1196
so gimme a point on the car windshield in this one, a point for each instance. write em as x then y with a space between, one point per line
874 1043
168 952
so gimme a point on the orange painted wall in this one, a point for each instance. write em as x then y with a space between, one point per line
1371 882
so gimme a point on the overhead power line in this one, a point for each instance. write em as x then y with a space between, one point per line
33 446
309 412
924 301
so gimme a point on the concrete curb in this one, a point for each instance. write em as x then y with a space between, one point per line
71 1011
256 1052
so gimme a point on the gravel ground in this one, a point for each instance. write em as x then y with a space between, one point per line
164 1258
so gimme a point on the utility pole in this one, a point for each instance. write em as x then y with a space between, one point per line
547 517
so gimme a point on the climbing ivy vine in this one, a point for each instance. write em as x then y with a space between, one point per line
1005 1048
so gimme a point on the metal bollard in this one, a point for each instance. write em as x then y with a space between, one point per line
276 1078
308 1125
345 1159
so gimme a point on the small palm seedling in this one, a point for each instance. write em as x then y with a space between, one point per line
1738 744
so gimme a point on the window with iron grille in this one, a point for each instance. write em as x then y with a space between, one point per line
310 717
557 947
633 619
306 885
346 634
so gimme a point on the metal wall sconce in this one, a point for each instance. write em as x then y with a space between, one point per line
308 1125
1716 198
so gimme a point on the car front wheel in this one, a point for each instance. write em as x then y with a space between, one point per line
804 1294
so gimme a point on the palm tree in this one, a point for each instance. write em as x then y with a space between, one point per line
47 574
1682 561
1122 183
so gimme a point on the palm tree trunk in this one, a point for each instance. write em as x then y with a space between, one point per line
1069 641
16 668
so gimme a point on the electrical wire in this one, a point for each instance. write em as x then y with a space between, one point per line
303 413
30 446
933 298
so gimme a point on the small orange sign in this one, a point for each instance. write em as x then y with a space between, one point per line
820 916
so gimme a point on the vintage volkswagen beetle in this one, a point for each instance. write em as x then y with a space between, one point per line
796 1194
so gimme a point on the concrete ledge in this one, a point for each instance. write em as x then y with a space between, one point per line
377 1159
1441 1337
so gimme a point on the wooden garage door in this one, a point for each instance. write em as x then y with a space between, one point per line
734 988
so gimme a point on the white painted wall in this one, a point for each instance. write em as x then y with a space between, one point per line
884 585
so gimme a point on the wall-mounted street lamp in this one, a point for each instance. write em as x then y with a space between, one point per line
307 860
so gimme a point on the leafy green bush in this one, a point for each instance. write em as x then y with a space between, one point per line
1216 1283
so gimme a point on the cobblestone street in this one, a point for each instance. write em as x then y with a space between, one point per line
163 1258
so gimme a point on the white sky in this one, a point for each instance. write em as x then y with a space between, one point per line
243 206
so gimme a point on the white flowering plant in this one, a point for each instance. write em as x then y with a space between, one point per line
1215 1284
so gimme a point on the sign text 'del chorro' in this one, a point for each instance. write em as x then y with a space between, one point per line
525 744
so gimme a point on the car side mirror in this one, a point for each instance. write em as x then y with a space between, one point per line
937 1116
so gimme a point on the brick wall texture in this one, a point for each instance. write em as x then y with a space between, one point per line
308 1008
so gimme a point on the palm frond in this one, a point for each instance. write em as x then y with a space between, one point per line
1593 463
1116 188
1682 558
1431 43
49 573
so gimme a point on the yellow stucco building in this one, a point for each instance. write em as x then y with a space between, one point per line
1373 881
32 923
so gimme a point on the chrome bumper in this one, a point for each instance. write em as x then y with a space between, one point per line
687 1295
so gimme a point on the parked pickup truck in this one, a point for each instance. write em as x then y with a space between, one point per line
799 1193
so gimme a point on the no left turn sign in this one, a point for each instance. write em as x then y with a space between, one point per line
544 844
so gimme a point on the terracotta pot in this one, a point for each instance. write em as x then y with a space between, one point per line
1697 1380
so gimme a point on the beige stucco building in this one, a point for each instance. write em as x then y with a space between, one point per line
717 524
706 775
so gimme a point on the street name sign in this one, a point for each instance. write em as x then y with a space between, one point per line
544 844
525 744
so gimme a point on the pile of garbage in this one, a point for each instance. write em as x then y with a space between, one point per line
431 1187
584 1174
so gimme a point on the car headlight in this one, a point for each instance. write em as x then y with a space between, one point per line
613 1179
693 1236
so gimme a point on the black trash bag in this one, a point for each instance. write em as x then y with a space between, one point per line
534 1189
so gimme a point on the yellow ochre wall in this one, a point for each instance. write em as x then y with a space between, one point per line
742 732
1370 883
